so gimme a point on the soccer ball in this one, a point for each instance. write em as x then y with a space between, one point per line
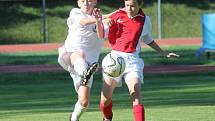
113 65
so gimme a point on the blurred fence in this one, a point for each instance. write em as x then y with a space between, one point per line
21 20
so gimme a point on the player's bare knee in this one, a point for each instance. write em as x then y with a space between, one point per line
65 60
136 102
106 95
81 54
62 63
105 101
84 102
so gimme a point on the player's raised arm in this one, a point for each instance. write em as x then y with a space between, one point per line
87 21
99 27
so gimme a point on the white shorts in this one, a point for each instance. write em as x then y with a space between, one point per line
134 68
76 78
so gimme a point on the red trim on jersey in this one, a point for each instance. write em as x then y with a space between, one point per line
125 32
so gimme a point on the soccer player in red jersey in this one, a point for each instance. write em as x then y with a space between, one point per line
128 27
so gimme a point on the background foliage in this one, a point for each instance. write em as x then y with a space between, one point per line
21 20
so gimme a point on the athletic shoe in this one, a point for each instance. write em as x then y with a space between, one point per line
104 119
88 73
70 116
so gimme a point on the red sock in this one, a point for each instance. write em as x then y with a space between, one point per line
139 113
107 111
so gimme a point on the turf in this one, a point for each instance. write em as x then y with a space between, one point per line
150 57
51 97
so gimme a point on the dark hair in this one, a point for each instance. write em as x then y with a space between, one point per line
140 2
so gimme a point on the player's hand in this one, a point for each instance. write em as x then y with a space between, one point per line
97 14
172 55
108 22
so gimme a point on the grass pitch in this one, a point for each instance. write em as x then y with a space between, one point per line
50 96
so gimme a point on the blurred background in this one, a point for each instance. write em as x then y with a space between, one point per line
44 21
33 87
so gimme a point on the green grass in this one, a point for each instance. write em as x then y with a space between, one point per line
187 56
180 19
25 58
50 96
150 57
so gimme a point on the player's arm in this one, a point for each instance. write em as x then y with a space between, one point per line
99 26
76 19
148 39
92 20
104 25
107 23
157 48
87 21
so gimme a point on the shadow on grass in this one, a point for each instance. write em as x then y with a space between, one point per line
150 57
28 59
51 92
191 89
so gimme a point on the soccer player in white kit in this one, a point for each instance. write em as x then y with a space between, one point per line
129 26
80 53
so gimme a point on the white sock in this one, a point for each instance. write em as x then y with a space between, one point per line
78 111
80 66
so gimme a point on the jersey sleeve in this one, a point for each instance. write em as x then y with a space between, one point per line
74 18
106 26
146 35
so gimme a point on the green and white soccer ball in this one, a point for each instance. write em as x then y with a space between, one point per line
113 65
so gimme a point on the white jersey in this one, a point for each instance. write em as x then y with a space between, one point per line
82 38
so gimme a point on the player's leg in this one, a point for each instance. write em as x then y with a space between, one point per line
83 97
63 58
106 98
133 78
82 103
78 60
75 63
134 86
89 72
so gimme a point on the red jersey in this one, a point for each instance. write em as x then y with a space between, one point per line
125 32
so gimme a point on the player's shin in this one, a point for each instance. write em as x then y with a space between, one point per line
139 113
78 111
107 110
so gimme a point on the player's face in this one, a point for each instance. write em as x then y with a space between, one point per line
132 7
87 6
